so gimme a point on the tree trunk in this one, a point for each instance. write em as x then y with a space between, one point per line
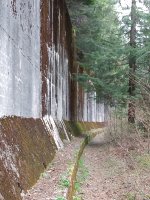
132 64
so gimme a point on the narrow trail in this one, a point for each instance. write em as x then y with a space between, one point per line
48 187
93 157
114 173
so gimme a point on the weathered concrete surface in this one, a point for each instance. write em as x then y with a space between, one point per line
20 76
37 63
26 148
36 57
93 111
56 58
80 127
36 86
83 105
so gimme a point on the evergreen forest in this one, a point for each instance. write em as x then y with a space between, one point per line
113 47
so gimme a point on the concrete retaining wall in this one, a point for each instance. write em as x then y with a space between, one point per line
20 76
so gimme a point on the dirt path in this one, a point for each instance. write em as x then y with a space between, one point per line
114 172
48 187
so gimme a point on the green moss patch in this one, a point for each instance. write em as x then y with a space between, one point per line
144 161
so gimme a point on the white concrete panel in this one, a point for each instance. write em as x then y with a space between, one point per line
20 77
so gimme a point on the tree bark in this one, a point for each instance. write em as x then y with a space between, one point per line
132 64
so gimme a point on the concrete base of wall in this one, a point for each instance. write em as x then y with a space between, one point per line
26 148
80 127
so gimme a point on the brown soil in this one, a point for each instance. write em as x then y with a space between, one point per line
117 171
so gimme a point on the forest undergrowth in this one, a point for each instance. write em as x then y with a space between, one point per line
130 151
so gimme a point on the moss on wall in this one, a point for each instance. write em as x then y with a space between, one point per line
26 149
78 128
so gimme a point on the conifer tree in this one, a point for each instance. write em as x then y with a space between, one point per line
132 63
113 50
